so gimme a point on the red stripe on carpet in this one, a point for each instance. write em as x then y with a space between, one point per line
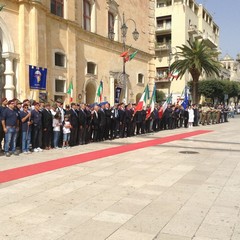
29 170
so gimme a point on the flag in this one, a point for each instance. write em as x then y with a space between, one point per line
132 55
37 77
185 101
126 58
152 103
179 99
118 91
173 75
70 91
100 91
143 100
164 106
124 54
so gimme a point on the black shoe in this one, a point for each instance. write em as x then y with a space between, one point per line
7 154
16 153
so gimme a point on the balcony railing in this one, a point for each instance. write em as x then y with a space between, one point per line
164 28
162 78
209 40
162 46
192 29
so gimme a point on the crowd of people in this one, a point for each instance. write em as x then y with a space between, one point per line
30 126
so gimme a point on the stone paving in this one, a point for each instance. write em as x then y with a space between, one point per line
154 193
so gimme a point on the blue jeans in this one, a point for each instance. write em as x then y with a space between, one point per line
10 140
56 136
26 139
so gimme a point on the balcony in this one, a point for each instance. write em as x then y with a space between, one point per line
198 35
209 40
192 29
160 78
165 29
162 47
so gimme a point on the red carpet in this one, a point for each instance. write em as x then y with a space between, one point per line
25 171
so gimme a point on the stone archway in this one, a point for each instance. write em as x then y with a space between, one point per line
7 61
90 91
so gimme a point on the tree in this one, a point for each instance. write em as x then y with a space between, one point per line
160 96
196 58
212 89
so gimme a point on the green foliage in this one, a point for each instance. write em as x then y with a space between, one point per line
196 58
218 88
160 96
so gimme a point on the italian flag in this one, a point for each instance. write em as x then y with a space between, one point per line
100 91
132 55
173 75
70 91
164 106
143 100
152 103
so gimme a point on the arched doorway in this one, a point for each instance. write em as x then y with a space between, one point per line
90 92
8 63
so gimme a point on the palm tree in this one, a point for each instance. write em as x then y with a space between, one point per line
195 58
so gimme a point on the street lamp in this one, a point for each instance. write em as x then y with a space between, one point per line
124 30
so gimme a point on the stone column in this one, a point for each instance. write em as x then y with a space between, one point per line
9 73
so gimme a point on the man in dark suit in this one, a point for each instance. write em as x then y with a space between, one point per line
128 119
82 124
108 115
102 121
47 126
74 121
122 119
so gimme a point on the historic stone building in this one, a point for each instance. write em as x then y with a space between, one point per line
78 41
232 67
178 21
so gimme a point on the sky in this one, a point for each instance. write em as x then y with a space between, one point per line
226 14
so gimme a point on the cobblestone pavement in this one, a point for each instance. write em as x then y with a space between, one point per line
153 193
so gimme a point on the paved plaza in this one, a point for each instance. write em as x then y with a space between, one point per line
187 189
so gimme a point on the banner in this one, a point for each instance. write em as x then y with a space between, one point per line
117 94
37 77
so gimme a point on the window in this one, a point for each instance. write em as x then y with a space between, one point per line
91 68
60 59
162 73
140 78
60 86
160 4
110 22
57 7
87 15
168 23
159 23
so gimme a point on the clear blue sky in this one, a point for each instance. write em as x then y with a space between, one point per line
226 14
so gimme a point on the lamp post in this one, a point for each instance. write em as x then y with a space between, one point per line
124 30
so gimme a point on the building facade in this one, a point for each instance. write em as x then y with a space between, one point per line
178 21
231 66
71 40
